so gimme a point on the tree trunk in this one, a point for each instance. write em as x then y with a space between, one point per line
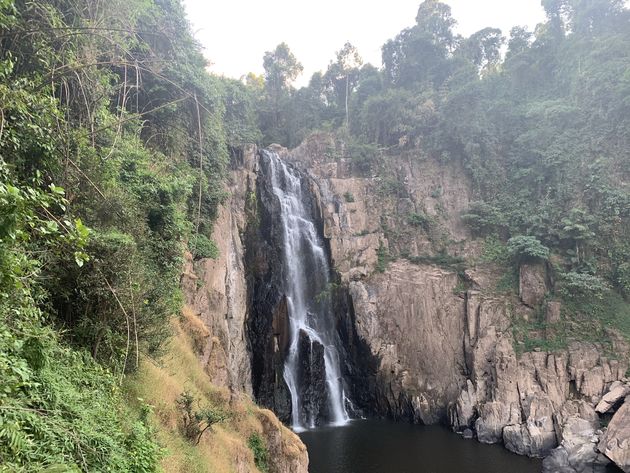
347 92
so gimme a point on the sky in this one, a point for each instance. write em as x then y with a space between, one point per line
236 33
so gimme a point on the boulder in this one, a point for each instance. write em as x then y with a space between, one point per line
577 453
536 436
494 416
615 443
615 394
287 453
465 409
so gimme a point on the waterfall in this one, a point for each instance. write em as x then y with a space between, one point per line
311 320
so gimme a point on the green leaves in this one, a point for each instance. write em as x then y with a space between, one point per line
256 443
524 248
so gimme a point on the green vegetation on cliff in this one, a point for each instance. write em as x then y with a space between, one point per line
114 142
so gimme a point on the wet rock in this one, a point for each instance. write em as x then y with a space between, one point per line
312 380
615 443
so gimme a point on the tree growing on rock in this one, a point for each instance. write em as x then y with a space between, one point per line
194 423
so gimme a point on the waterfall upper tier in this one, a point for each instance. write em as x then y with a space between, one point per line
312 368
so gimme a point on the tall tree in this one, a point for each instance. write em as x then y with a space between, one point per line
281 69
420 53
345 72
483 49
434 18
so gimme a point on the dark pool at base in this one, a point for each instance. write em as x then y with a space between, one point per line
378 446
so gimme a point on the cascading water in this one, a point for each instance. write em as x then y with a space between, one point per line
311 322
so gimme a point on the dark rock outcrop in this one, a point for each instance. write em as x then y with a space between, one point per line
312 380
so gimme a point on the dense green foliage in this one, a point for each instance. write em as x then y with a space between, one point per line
114 142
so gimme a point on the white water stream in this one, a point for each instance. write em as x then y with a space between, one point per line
307 280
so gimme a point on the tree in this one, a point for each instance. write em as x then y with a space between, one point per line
527 248
435 19
194 423
420 53
281 69
520 41
348 63
483 49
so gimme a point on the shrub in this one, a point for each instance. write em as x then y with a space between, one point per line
383 258
495 251
194 423
419 220
363 155
482 217
261 454
348 197
582 285
527 248
203 247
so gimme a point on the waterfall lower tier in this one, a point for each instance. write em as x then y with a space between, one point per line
312 365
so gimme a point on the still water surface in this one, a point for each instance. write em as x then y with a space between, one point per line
378 446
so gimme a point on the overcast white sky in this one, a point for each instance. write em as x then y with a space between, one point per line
236 33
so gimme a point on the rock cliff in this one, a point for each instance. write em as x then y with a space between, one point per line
217 293
429 337
441 337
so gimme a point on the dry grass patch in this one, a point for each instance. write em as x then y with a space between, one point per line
222 449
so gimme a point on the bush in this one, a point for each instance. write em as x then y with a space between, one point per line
482 218
261 454
194 423
363 155
419 220
348 197
203 247
582 285
441 259
383 258
495 251
527 248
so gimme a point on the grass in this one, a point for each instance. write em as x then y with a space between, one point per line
593 318
226 448
586 320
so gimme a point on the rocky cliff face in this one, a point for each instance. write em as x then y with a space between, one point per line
443 343
428 339
218 293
